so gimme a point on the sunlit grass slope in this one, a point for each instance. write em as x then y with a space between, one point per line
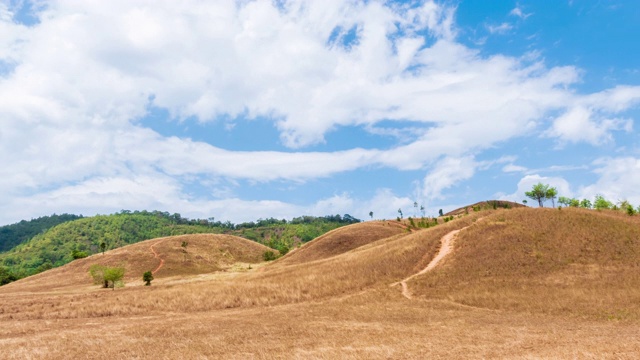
343 239
570 261
181 255
519 283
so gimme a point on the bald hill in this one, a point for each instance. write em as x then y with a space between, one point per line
79 237
503 283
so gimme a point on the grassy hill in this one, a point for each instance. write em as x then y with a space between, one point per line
82 237
485 205
524 283
85 236
181 255
570 261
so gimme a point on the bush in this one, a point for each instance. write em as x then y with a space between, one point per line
147 277
76 254
269 255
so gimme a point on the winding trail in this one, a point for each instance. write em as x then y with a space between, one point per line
445 248
157 256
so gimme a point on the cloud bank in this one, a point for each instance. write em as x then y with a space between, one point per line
75 86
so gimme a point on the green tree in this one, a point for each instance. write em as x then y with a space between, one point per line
440 212
586 203
551 194
147 277
574 203
400 212
539 193
630 210
564 201
107 276
103 247
601 203
6 276
371 214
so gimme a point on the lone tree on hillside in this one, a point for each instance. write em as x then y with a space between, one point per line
371 214
107 276
541 193
147 277
103 247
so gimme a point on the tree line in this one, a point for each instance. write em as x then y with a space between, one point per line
544 192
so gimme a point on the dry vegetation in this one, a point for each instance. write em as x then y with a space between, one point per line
521 283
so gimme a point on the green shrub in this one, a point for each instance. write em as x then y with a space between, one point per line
269 255
77 254
147 277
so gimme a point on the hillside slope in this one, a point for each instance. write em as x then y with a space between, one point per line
54 247
578 261
342 240
168 256
523 283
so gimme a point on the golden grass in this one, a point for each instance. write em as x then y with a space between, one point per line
343 239
510 289
571 261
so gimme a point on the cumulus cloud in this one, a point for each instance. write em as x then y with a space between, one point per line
617 180
581 124
84 75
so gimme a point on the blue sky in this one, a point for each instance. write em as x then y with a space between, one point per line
242 110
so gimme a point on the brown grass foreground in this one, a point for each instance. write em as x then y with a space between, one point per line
521 283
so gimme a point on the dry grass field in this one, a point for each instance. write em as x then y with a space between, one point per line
520 283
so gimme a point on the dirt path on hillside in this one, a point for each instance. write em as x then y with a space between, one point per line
446 247
157 256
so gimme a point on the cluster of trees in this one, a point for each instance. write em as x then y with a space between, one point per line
14 234
543 192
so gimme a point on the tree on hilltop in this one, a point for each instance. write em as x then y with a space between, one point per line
551 194
541 193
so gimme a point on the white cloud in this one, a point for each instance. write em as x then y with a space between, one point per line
89 70
447 173
581 124
513 168
518 12
617 180
500 29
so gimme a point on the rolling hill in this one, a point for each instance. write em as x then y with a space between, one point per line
85 236
524 283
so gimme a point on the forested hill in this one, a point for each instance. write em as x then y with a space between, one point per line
14 234
85 236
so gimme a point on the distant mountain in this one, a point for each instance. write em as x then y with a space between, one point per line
15 234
